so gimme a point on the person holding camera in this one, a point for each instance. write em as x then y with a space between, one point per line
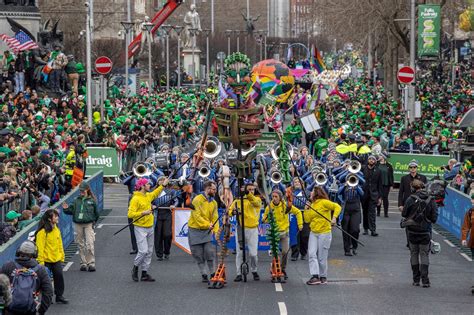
84 215
419 213
252 206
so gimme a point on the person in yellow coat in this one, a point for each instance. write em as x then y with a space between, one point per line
141 214
281 212
252 206
202 220
70 164
320 236
50 250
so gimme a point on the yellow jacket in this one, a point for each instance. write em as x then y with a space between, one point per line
316 222
142 202
204 214
281 217
70 162
252 206
50 246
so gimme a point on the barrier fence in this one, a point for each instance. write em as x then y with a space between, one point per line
96 183
21 202
451 216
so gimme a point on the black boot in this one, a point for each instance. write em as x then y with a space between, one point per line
416 274
135 273
424 276
146 277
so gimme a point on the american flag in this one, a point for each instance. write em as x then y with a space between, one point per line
20 42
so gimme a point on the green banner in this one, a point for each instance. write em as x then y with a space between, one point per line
429 21
266 141
102 159
428 165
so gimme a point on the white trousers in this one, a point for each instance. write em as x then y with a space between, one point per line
318 250
251 242
145 242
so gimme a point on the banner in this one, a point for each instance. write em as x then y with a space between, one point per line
429 20
102 159
180 228
428 165
451 216
266 141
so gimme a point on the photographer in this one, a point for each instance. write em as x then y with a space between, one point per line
419 213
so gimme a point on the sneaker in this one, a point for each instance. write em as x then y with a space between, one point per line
366 232
303 257
238 278
354 252
426 285
348 253
294 258
256 277
324 280
167 257
204 278
91 268
146 277
83 268
416 283
285 275
133 252
374 233
386 215
160 258
313 281
135 273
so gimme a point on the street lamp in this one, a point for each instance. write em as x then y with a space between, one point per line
265 33
193 32
207 32
228 34
89 27
148 27
178 30
128 27
167 29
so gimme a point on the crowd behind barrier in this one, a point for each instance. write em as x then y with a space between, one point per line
96 183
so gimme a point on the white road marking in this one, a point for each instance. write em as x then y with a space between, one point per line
68 265
278 287
113 224
100 226
466 256
434 231
282 307
449 243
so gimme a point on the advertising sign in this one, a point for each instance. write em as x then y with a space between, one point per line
267 140
102 159
428 165
429 17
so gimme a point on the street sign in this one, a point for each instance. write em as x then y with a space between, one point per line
103 65
406 75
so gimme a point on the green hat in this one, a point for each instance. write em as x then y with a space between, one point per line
12 215
19 130
60 128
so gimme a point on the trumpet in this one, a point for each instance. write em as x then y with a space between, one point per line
321 179
354 167
204 170
352 180
141 169
275 175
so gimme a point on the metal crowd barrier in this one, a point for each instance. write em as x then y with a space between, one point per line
17 204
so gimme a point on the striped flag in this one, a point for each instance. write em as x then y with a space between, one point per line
21 41
316 61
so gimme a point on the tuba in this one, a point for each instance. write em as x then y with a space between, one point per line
142 169
212 148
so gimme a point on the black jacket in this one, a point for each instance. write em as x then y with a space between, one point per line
44 282
373 183
405 187
390 174
420 233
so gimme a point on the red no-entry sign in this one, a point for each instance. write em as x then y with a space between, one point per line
103 65
406 75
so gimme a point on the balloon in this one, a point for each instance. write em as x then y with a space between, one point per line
272 75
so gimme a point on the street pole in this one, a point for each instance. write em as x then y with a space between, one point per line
127 27
89 62
260 35
167 30
411 92
228 33
237 33
207 32
178 30
148 28
212 17
193 34
265 43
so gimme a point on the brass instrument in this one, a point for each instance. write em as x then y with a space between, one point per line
212 148
205 169
321 179
354 167
275 175
352 180
141 169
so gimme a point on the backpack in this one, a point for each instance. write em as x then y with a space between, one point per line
417 219
24 289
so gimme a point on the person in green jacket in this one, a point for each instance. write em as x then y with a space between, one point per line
293 133
84 215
